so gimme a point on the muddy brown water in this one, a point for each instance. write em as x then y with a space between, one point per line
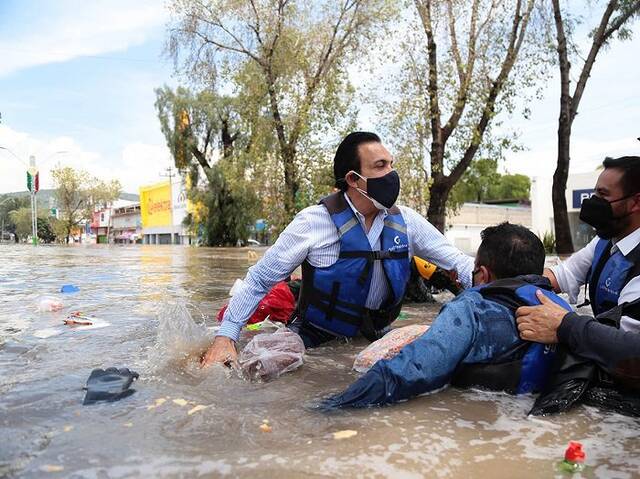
46 432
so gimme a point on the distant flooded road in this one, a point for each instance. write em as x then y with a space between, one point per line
159 431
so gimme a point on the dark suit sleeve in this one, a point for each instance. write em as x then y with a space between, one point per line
616 351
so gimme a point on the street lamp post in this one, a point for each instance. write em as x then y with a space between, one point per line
170 174
33 185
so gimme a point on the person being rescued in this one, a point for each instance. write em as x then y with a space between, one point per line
474 341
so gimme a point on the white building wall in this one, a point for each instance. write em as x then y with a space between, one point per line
541 205
464 228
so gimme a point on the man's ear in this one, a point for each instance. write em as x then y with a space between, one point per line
484 275
351 179
636 203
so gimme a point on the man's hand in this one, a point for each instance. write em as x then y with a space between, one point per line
548 273
222 350
540 323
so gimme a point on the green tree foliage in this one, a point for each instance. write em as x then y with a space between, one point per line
204 133
21 219
482 182
287 61
79 195
463 63
46 231
230 212
9 204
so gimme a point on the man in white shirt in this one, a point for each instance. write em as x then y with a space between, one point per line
610 265
355 249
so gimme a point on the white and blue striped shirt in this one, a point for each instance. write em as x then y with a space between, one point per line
313 236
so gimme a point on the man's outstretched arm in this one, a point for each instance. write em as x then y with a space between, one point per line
424 365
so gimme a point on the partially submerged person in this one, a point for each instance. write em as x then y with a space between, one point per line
610 266
355 249
474 339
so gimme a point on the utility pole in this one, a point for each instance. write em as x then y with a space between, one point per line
169 173
33 184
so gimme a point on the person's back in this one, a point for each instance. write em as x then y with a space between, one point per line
474 340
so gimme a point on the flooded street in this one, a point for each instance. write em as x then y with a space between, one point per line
45 431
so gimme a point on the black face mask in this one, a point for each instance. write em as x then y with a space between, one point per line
597 212
382 191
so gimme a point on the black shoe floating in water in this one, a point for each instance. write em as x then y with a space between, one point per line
109 384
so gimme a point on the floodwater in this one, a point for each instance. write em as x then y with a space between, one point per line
45 431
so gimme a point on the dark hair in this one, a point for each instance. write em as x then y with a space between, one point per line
510 250
346 158
630 166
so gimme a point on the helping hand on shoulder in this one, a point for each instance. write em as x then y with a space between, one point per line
540 323
222 350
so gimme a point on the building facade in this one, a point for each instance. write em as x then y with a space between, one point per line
463 228
163 208
127 224
579 187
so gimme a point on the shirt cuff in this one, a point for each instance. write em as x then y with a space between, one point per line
230 330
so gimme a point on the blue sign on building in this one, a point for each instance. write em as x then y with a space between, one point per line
580 195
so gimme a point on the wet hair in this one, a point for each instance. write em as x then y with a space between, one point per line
630 166
510 250
347 159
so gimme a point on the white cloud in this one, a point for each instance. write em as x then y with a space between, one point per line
142 164
586 155
138 163
94 28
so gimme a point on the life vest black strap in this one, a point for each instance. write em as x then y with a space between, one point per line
613 316
375 255
372 256
634 257
319 295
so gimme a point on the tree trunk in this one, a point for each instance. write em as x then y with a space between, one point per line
564 244
290 181
227 139
436 214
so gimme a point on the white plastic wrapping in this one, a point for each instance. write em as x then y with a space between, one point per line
268 356
388 346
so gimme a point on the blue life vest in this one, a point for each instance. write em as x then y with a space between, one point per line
333 298
527 366
609 274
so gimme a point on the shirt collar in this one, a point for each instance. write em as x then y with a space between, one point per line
359 215
629 242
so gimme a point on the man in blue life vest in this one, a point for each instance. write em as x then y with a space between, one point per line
610 266
474 339
355 249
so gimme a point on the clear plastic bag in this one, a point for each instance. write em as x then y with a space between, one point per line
49 304
268 356
388 346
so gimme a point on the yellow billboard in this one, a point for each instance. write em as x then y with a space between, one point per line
155 205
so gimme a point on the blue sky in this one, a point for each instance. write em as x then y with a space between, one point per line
79 76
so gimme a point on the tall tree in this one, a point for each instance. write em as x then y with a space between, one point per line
7 205
198 127
205 134
79 194
463 63
616 15
287 58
